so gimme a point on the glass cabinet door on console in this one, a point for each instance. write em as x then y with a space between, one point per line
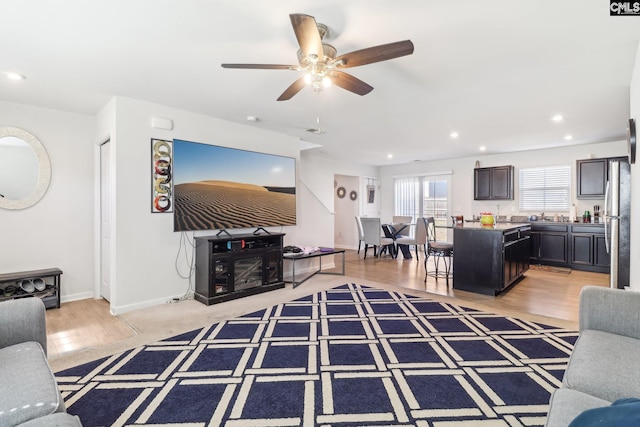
273 266
220 276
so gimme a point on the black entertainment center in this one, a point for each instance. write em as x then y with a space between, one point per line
233 266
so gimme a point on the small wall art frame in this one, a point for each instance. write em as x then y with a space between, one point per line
161 176
371 193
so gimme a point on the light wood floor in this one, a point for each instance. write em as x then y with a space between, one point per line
84 324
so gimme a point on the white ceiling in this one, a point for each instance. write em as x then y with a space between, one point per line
493 70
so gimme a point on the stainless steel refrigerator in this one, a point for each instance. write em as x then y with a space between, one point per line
617 221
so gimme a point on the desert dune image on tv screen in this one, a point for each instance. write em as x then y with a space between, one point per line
219 188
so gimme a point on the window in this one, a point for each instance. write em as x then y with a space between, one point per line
424 196
546 188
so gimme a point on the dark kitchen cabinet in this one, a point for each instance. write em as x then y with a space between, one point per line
494 183
488 259
591 179
516 255
549 244
589 250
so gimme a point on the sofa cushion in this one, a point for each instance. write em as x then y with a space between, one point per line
566 404
621 413
29 389
60 419
601 365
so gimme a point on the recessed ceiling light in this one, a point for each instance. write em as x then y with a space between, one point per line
568 137
252 118
482 148
14 76
557 118
454 135
389 156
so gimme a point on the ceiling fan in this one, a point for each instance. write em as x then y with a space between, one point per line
321 65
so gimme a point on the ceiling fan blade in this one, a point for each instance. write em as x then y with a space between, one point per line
376 54
350 83
261 66
293 89
308 36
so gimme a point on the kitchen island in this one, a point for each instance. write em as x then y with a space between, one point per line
489 259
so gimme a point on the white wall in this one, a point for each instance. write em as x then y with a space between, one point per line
318 172
143 272
62 229
346 230
462 177
143 269
635 178
57 231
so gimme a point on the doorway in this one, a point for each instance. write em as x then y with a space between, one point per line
346 204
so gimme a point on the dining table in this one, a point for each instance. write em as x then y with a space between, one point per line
395 231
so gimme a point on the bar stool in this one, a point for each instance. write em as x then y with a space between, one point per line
440 250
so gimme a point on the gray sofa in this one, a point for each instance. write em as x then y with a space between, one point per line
29 395
604 365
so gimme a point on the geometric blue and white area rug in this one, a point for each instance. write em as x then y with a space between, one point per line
349 356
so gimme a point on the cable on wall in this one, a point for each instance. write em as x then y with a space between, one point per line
185 247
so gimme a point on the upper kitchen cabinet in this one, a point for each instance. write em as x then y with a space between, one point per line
493 183
591 178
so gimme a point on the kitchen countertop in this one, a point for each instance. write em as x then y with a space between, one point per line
501 226
475 221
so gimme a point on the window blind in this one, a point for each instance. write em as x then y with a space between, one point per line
546 188
407 195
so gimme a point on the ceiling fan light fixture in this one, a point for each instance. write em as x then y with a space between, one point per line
319 59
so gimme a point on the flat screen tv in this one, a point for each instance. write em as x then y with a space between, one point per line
220 188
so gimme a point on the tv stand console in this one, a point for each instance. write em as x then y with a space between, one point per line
235 266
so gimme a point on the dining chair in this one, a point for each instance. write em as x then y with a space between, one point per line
440 250
457 220
402 219
419 237
360 232
372 232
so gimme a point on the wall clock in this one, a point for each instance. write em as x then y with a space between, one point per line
631 141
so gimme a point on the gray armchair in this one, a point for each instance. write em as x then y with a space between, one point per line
29 391
604 363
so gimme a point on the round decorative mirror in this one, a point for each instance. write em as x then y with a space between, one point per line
25 169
